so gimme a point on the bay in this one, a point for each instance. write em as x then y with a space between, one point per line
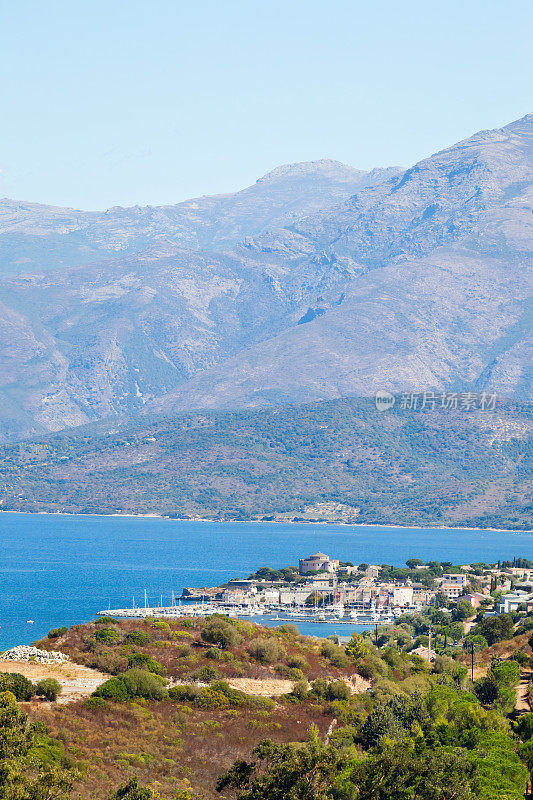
62 569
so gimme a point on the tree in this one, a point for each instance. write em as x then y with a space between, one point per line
478 642
412 563
140 683
286 771
495 629
356 648
132 791
20 777
463 611
48 688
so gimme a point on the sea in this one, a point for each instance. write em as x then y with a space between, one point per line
62 569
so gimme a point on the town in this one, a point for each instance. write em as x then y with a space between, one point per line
324 589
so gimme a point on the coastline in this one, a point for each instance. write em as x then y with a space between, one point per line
275 522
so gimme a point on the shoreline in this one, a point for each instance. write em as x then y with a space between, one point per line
272 522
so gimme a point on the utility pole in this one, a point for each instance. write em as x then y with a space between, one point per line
472 660
429 644
376 635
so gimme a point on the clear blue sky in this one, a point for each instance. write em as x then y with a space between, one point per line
119 102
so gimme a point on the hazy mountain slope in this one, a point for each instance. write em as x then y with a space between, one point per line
36 237
436 467
418 282
449 319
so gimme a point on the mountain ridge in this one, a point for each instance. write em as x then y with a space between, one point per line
416 281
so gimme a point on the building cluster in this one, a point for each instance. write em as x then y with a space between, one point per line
324 581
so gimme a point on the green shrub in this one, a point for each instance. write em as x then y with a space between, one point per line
297 661
335 655
159 625
145 661
94 702
300 690
211 698
106 620
221 633
205 674
266 650
140 638
337 690
55 633
107 636
20 686
141 683
215 653
48 688
113 689
186 692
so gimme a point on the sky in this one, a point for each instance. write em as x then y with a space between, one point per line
126 102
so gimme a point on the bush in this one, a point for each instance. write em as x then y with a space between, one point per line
356 647
335 654
113 689
215 653
93 702
20 686
160 625
205 674
300 690
181 693
107 636
55 633
221 633
145 661
297 662
106 620
337 690
141 683
211 698
48 688
140 638
266 650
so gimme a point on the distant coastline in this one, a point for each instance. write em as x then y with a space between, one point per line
274 521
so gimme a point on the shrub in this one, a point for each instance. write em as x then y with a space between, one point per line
95 702
187 692
266 650
211 698
215 653
107 636
55 633
132 791
20 686
146 662
160 625
141 683
141 638
300 690
337 690
205 674
48 688
520 657
297 662
106 620
335 655
113 689
219 632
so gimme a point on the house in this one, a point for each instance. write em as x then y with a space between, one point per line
510 602
451 590
475 599
318 561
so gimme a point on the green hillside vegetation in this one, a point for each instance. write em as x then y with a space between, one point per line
173 728
334 461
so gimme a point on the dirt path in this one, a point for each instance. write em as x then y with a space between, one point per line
522 706
76 681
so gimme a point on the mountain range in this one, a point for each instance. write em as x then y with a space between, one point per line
318 282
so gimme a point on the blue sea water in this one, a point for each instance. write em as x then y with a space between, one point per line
62 569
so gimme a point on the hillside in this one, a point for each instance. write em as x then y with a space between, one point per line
416 281
335 461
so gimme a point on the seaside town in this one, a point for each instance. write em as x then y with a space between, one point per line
324 589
